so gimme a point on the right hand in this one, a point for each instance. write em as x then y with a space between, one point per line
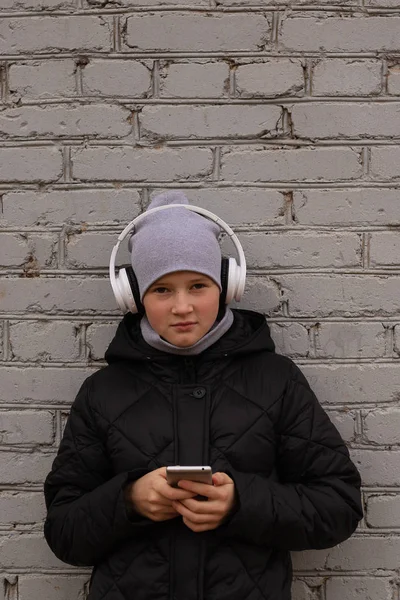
151 496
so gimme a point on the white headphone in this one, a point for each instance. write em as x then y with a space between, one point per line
124 283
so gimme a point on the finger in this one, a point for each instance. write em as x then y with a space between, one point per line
204 489
200 506
167 491
221 479
197 528
194 517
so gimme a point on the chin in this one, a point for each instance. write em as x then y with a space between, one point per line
184 343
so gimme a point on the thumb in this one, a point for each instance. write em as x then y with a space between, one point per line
221 479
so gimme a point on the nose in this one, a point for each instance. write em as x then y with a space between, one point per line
182 304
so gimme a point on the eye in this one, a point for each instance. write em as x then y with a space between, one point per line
160 290
199 286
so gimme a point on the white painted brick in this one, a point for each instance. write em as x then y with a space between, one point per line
43 79
196 32
19 5
383 510
27 208
43 33
274 3
346 77
238 206
65 121
21 507
385 162
378 467
382 426
302 591
345 423
116 78
368 206
393 79
52 587
340 34
282 164
98 338
194 79
25 249
291 249
28 551
351 340
291 339
385 3
341 295
24 467
26 427
93 250
355 554
45 386
137 164
358 120
134 3
44 341
210 121
261 295
359 588
385 249
30 164
56 295
349 384
272 77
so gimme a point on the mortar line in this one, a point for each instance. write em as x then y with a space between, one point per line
196 54
116 41
389 341
232 81
155 76
157 8
6 85
79 79
363 260
58 428
66 153
384 77
217 156
267 100
6 340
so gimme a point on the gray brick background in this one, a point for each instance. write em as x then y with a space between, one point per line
282 116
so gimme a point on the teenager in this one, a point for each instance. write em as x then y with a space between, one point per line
191 382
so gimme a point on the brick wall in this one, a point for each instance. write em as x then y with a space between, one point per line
281 116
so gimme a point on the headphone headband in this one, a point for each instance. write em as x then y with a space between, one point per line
129 229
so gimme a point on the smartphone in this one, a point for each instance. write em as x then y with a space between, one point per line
202 474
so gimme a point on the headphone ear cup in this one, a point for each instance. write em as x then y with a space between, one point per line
224 281
127 290
134 292
233 280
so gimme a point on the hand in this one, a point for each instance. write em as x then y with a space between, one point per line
206 515
152 497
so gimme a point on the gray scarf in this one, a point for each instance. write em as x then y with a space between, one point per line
217 331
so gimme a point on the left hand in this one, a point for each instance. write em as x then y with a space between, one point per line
205 515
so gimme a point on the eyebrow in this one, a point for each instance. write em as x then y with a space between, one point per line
166 282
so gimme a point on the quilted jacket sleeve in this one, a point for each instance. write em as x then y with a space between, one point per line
86 511
315 501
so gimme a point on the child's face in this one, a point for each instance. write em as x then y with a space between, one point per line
182 306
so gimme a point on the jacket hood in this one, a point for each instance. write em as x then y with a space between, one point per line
248 333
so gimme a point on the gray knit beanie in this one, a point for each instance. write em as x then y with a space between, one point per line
174 240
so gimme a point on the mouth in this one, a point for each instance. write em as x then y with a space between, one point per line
184 325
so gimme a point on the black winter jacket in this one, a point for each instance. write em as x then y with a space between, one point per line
239 407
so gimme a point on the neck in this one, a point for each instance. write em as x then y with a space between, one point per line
216 332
